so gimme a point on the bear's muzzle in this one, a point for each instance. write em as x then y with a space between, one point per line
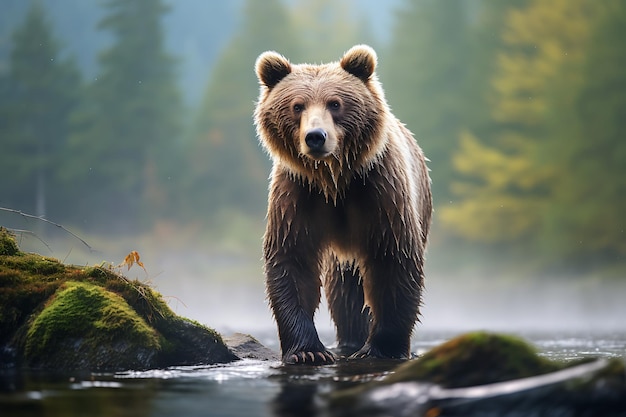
315 139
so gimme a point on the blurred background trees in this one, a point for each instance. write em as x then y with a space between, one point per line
126 135
38 93
425 74
223 155
543 181
119 117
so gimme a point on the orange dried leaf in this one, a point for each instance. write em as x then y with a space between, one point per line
131 259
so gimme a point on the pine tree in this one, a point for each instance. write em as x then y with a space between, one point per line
128 130
486 43
586 221
425 76
225 160
38 94
326 29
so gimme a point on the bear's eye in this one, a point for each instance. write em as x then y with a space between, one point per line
334 105
298 108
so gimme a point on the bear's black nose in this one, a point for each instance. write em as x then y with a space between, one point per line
315 139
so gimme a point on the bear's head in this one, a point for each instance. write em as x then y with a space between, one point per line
322 123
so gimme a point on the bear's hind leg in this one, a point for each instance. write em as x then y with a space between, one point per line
344 293
392 289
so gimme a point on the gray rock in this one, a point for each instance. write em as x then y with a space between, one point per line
245 346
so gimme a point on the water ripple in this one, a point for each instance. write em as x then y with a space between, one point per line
244 369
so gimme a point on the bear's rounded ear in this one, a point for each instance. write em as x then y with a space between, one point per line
271 67
359 61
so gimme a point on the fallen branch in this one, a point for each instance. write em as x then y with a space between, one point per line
30 216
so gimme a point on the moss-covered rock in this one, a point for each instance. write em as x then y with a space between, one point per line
56 316
485 374
86 325
475 358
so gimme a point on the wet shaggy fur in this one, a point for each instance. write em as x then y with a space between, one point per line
349 208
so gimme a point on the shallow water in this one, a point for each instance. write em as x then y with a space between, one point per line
245 388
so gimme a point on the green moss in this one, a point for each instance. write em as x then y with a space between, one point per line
26 282
147 302
33 265
91 320
474 359
8 246
21 292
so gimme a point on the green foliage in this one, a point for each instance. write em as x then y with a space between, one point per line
485 44
425 75
498 196
37 95
228 169
587 143
530 180
326 29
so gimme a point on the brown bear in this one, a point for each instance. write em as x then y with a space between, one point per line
349 208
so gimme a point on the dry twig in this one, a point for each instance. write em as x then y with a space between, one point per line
30 216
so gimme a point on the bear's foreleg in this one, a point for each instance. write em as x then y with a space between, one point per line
392 288
293 288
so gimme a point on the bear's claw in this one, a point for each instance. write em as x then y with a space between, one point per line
363 353
369 351
310 358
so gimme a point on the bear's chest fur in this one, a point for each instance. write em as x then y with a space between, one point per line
365 217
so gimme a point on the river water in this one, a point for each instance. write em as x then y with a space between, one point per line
245 388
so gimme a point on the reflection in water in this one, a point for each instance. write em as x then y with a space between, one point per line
303 388
295 400
41 394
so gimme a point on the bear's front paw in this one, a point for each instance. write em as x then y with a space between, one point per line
309 358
